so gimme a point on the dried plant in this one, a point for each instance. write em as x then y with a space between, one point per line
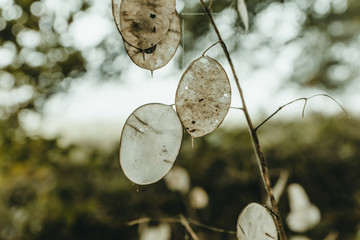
152 135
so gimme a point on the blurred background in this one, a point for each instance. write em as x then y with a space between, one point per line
67 87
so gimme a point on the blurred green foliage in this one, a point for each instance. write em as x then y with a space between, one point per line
48 192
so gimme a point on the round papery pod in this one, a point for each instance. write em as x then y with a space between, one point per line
115 5
150 142
198 197
203 96
303 215
178 179
255 222
159 232
160 54
143 23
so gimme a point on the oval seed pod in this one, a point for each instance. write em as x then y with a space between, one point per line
203 96
159 55
115 5
150 142
255 222
303 215
143 23
243 12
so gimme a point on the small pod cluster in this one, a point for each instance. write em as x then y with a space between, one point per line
151 30
152 135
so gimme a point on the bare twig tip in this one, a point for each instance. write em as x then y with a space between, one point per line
306 99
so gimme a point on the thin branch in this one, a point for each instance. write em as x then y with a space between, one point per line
210 48
281 107
210 5
325 95
306 99
181 221
186 224
147 220
255 139
303 110
237 108
196 223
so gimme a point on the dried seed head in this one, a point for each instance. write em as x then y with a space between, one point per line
115 4
243 12
178 179
255 222
143 23
160 54
303 215
150 142
198 197
203 97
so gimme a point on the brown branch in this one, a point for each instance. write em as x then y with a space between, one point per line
281 107
210 5
303 111
209 48
186 224
215 229
181 221
147 220
237 108
256 143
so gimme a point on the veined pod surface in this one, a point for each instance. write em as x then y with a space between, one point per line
203 96
143 23
150 142
159 55
115 6
255 222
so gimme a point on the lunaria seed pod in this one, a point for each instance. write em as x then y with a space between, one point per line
150 142
203 96
143 23
255 222
160 54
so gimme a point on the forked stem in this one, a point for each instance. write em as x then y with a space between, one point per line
253 131
306 99
209 48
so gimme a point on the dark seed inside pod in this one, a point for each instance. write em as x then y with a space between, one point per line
150 50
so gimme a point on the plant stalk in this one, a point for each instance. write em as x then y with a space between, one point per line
253 131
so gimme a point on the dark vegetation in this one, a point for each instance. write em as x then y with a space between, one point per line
48 192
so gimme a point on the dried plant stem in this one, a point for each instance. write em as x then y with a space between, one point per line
186 224
147 220
215 229
253 131
306 99
210 48
210 5
181 221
